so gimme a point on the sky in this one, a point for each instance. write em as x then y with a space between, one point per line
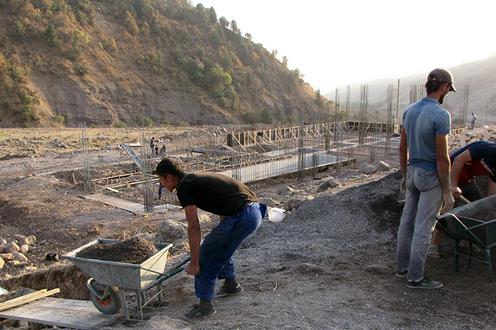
338 42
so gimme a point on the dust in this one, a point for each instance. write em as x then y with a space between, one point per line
134 251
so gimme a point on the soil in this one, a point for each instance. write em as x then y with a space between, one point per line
329 264
134 251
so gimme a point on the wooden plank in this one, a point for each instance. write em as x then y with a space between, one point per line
77 314
27 298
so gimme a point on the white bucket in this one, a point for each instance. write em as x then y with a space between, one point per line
276 214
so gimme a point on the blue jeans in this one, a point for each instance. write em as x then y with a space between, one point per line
423 201
218 247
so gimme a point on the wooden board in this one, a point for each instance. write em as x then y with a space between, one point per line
132 207
27 298
78 314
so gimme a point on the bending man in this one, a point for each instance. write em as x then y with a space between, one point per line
241 216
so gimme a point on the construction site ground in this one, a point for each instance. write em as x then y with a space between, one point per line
328 264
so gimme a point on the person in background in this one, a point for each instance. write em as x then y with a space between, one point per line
473 120
425 166
240 213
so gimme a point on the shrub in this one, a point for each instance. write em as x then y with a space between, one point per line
120 124
81 68
147 121
60 119
130 23
51 35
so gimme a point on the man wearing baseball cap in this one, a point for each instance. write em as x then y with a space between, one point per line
425 166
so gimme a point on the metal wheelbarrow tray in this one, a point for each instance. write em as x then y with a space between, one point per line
464 223
109 280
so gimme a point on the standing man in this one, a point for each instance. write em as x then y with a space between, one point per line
472 122
425 167
241 216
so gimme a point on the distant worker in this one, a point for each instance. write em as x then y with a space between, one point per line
241 215
425 166
158 147
472 122
474 160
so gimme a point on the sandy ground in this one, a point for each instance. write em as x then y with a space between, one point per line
329 264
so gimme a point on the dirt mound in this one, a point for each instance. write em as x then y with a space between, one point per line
134 251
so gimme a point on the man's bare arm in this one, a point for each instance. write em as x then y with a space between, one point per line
194 238
457 167
443 170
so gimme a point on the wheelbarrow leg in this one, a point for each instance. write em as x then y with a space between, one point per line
489 264
139 304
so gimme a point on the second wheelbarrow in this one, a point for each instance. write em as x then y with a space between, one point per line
476 223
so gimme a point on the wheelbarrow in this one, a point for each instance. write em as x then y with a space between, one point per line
476 223
136 285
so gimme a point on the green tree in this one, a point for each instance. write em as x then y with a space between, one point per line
51 35
224 22
265 116
212 16
216 78
248 36
234 27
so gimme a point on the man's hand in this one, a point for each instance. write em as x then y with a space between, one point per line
457 192
403 185
448 202
193 269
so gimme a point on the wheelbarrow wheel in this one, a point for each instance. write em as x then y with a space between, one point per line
109 301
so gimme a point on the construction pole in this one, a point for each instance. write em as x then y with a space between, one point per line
397 120
86 161
348 94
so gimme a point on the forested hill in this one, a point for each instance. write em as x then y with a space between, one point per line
139 62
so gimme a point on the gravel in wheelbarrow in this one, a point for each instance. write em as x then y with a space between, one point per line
134 251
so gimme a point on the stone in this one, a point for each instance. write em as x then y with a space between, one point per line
367 168
19 256
284 191
327 184
31 239
384 167
170 231
293 203
24 248
2 263
7 256
11 247
268 201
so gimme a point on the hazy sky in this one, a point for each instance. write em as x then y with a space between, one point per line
337 42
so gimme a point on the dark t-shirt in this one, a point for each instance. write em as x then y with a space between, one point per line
483 154
214 193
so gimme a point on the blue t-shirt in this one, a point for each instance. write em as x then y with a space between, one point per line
422 121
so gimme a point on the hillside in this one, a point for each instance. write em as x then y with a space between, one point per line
480 76
139 62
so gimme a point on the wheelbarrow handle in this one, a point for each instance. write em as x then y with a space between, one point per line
179 267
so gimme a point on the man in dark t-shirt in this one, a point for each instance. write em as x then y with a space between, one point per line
473 160
241 216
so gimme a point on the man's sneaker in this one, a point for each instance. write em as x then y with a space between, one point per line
433 252
226 291
425 283
401 273
197 312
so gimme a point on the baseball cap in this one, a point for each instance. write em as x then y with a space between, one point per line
443 76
